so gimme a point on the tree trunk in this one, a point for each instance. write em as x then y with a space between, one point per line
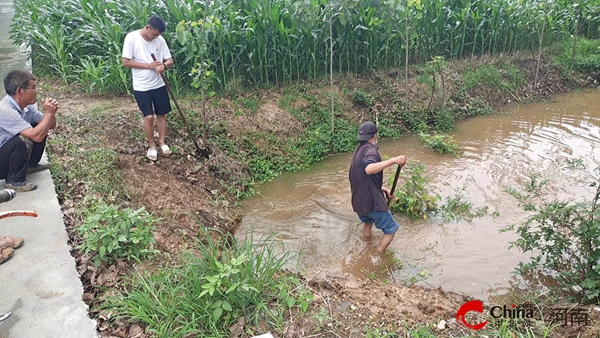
331 71
539 58
573 52
406 40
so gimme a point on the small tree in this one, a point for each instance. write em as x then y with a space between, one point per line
436 67
564 238
197 35
409 12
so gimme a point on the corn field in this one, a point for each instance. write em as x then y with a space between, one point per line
262 42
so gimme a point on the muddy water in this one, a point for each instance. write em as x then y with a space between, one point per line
311 210
11 57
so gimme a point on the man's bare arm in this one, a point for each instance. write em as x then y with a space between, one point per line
48 122
374 168
142 65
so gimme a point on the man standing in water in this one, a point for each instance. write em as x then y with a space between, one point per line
149 89
366 184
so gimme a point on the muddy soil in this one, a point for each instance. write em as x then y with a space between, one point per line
185 191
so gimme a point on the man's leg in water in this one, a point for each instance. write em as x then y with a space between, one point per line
366 231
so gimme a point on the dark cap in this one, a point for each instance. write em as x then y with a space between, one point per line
366 131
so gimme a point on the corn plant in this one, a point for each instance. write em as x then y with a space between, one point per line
92 75
280 41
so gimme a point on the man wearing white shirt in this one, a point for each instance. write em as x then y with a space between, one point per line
149 89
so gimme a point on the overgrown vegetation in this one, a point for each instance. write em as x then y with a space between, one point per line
259 43
563 238
280 42
456 208
209 292
585 57
414 199
507 79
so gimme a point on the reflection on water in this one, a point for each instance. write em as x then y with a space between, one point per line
312 210
11 58
367 263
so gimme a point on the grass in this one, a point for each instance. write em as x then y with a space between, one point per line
506 78
586 58
205 294
81 163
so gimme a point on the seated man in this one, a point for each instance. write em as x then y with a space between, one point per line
23 130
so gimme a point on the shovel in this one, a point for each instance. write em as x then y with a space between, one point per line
394 184
199 149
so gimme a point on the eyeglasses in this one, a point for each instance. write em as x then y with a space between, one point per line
34 88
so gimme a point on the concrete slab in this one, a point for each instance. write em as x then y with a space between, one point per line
40 283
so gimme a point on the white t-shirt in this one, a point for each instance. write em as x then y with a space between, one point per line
137 49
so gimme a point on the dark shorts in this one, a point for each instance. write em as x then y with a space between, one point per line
383 221
155 101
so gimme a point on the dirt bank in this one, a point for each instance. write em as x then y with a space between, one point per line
188 192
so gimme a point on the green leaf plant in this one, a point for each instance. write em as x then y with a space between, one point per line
110 233
563 238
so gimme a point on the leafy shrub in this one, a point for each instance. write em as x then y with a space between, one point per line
441 143
415 120
110 234
412 197
389 126
563 237
205 295
414 200
444 120
360 97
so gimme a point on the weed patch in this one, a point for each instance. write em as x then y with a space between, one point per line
441 143
413 198
206 294
507 78
110 233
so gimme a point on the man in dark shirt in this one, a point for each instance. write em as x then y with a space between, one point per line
366 184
